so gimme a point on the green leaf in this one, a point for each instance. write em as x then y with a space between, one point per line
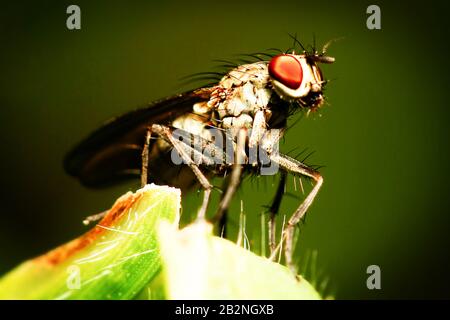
114 260
198 265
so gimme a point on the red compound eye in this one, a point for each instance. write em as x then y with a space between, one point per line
286 69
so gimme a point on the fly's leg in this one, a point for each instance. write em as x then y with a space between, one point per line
235 177
145 151
95 217
273 210
223 219
258 128
296 167
166 133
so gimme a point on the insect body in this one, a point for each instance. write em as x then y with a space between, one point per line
256 98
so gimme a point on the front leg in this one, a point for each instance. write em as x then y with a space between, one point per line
291 165
258 128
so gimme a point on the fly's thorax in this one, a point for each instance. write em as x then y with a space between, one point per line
240 94
256 72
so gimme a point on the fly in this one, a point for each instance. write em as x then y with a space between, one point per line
252 101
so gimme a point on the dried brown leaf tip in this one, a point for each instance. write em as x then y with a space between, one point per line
117 211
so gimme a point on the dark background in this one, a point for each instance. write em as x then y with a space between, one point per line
383 139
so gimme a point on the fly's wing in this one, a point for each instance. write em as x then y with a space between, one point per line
112 153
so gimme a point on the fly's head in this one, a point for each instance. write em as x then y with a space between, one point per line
298 78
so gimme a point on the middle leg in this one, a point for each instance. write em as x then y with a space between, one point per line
235 177
182 149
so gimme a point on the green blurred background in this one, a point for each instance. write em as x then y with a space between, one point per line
383 139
